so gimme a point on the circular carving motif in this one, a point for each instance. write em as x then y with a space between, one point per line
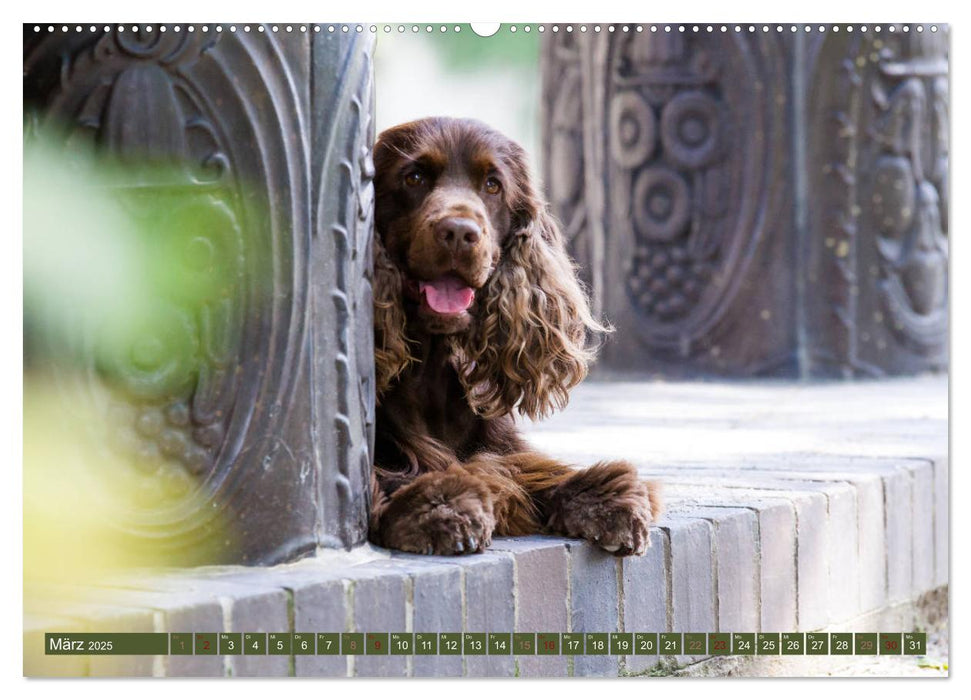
154 359
690 126
661 204
633 129
894 196
202 238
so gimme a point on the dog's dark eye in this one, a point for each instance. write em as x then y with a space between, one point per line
415 178
492 185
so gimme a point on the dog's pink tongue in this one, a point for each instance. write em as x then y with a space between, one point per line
447 295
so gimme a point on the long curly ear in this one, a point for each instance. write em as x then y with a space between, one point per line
391 353
529 346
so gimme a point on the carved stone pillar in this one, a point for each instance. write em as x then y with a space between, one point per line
877 204
755 204
254 410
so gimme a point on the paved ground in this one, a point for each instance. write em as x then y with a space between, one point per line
659 423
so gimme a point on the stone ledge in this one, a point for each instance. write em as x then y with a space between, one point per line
752 539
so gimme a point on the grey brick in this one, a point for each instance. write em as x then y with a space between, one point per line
843 546
898 500
827 536
735 533
692 578
645 596
812 562
542 596
776 527
436 595
179 612
941 522
922 475
318 596
320 606
250 602
490 606
873 542
379 602
594 604
777 545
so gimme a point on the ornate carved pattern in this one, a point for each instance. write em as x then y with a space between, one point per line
879 154
910 95
675 173
345 216
170 392
765 204
267 429
564 156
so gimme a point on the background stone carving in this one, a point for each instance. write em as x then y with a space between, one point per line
755 204
878 156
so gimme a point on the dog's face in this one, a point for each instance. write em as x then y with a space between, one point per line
466 248
446 197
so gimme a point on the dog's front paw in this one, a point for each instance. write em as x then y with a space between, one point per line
607 505
448 512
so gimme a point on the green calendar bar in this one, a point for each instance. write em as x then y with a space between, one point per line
817 643
793 643
426 643
279 643
180 643
597 643
475 644
100 644
491 643
230 643
670 643
645 644
402 644
719 643
500 643
329 643
695 643
304 643
352 643
378 643
571 643
548 643
891 643
915 643
524 643
206 644
841 643
767 643
743 644
450 644
865 643
254 643
621 643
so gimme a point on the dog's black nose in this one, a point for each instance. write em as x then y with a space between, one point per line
458 233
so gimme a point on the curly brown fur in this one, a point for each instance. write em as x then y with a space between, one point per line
479 315
391 352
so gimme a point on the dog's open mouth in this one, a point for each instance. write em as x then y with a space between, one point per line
447 295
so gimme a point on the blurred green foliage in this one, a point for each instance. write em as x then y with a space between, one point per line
466 49
133 277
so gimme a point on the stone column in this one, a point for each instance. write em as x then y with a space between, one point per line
755 204
251 413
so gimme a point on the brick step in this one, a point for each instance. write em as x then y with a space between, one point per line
846 526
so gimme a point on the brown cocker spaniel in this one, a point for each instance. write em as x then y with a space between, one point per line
478 314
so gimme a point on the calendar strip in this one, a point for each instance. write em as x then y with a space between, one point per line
489 643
